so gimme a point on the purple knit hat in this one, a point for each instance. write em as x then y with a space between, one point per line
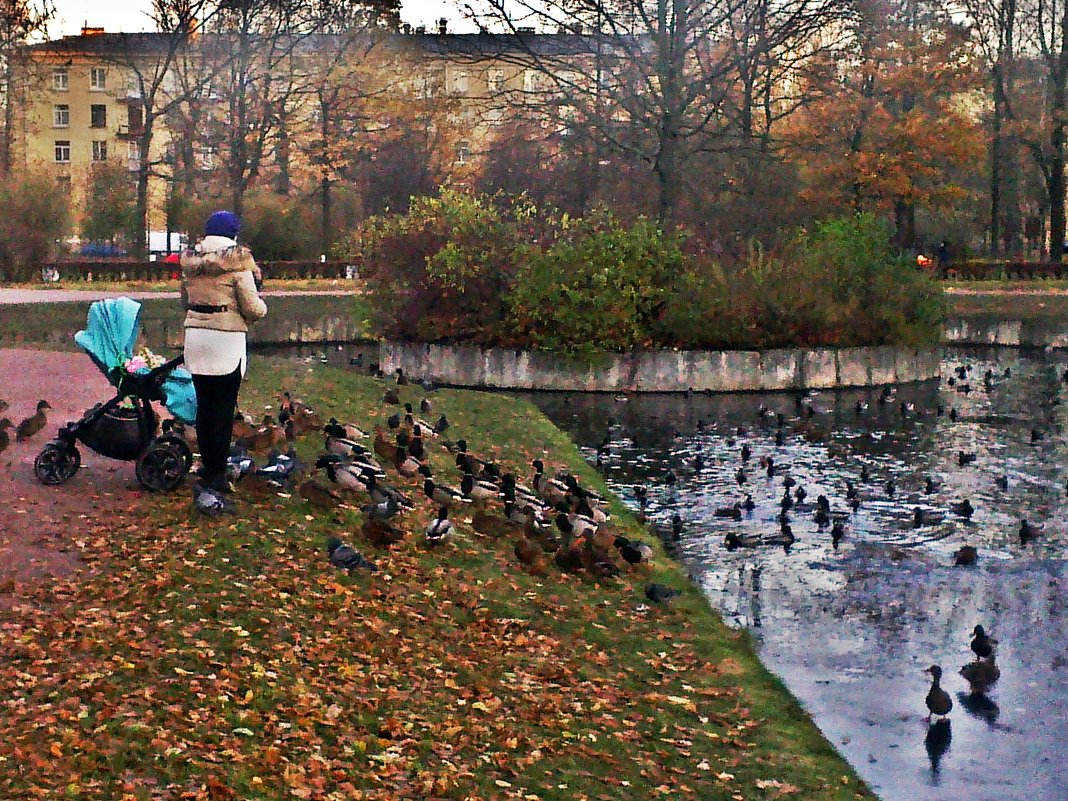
222 223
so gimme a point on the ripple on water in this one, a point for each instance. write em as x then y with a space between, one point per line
851 628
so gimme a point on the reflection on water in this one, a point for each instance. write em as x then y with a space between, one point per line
851 629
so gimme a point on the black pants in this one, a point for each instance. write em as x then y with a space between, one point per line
216 404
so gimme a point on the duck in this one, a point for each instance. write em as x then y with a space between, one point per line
929 486
865 474
633 552
34 423
938 701
780 438
821 517
965 458
1028 531
891 488
441 425
746 452
660 593
476 490
1036 436
391 397
922 517
981 675
382 533
982 645
527 551
402 379
342 474
318 495
787 501
676 527
963 508
440 494
837 533
966 556
385 449
730 512
440 529
5 438
747 503
741 476
1002 482
349 431
425 406
406 464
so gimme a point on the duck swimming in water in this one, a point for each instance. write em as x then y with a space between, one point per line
963 508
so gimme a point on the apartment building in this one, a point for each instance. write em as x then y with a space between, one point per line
81 104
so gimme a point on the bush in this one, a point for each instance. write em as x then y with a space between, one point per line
36 216
111 205
279 228
441 272
599 286
459 268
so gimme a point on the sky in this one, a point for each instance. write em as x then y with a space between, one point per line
132 15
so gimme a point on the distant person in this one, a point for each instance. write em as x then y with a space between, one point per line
943 256
220 291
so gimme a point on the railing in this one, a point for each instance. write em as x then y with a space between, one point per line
1004 270
119 270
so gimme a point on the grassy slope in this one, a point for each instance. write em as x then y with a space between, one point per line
228 660
1007 306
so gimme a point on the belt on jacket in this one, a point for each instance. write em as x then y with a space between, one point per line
200 309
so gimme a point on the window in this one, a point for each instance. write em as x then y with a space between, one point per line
530 81
463 153
61 79
98 116
460 84
100 150
495 81
61 116
62 152
63 182
98 79
135 118
133 156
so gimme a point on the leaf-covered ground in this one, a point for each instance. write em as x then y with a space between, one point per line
211 659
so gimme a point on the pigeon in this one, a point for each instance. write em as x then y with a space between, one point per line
440 529
208 501
345 557
661 594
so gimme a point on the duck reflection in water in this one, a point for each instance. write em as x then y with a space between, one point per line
981 707
937 742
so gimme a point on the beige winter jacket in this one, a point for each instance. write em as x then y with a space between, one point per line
222 273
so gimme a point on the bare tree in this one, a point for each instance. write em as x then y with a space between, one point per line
659 80
151 62
21 21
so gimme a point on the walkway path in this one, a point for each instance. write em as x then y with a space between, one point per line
17 296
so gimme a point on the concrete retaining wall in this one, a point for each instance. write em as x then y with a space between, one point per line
661 371
1036 333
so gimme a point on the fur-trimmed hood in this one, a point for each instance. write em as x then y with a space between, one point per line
215 255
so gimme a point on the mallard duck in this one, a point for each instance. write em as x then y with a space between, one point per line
569 558
318 495
402 379
837 533
391 397
442 495
865 474
963 508
349 431
440 530
822 518
527 551
746 451
406 464
938 700
965 556
382 533
343 475
965 458
747 503
982 645
5 438
441 425
730 512
34 423
1002 482
476 490
1028 531
385 449
425 406
661 594
929 486
891 488
344 447
550 489
633 552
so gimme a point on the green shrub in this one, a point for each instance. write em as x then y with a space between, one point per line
279 228
36 216
598 286
442 271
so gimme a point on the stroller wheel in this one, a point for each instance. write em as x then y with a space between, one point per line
180 445
56 463
162 466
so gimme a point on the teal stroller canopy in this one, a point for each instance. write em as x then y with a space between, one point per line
109 339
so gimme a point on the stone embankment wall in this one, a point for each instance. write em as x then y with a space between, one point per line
662 371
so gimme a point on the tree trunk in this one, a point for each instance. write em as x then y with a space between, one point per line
904 224
143 172
996 152
282 153
9 119
326 232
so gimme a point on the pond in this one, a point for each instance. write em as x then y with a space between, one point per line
850 629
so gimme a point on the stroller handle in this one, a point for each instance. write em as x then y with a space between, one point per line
167 367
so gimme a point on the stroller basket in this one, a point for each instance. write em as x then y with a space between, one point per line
115 428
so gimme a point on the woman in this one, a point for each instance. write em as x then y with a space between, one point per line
220 282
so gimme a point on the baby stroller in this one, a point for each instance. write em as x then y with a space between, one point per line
125 427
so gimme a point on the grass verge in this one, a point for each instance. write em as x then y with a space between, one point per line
161 320
227 659
1007 306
